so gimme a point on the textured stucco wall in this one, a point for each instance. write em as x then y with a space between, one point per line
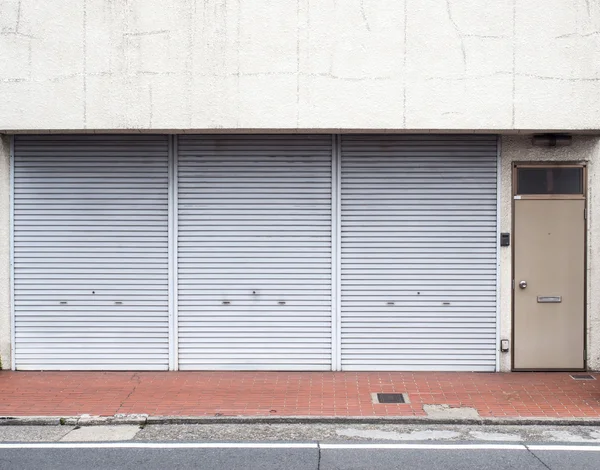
583 149
5 251
301 64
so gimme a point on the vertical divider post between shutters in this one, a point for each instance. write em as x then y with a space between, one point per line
336 251
498 229
173 323
13 360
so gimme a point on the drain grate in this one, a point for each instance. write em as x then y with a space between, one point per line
582 377
390 398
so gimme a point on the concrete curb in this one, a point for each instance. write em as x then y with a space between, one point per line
143 420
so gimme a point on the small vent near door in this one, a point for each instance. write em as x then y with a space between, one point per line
582 377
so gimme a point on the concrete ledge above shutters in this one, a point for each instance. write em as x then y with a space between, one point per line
418 252
255 252
91 252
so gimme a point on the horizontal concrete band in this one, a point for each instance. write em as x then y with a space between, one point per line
480 67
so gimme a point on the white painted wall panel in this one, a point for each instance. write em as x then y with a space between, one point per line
254 252
418 252
91 252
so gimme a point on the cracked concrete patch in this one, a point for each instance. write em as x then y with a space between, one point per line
566 436
494 436
445 411
427 435
101 434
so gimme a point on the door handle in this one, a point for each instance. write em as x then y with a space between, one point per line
523 284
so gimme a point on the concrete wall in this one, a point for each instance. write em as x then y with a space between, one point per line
301 64
5 252
583 149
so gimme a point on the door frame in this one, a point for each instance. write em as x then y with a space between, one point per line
513 193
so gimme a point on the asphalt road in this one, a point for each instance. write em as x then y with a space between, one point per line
296 456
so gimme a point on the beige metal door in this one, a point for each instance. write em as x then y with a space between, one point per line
549 257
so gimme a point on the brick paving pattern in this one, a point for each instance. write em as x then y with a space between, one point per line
553 395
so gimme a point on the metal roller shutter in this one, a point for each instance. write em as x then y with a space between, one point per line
254 252
418 252
91 252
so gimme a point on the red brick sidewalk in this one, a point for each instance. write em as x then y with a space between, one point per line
552 395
